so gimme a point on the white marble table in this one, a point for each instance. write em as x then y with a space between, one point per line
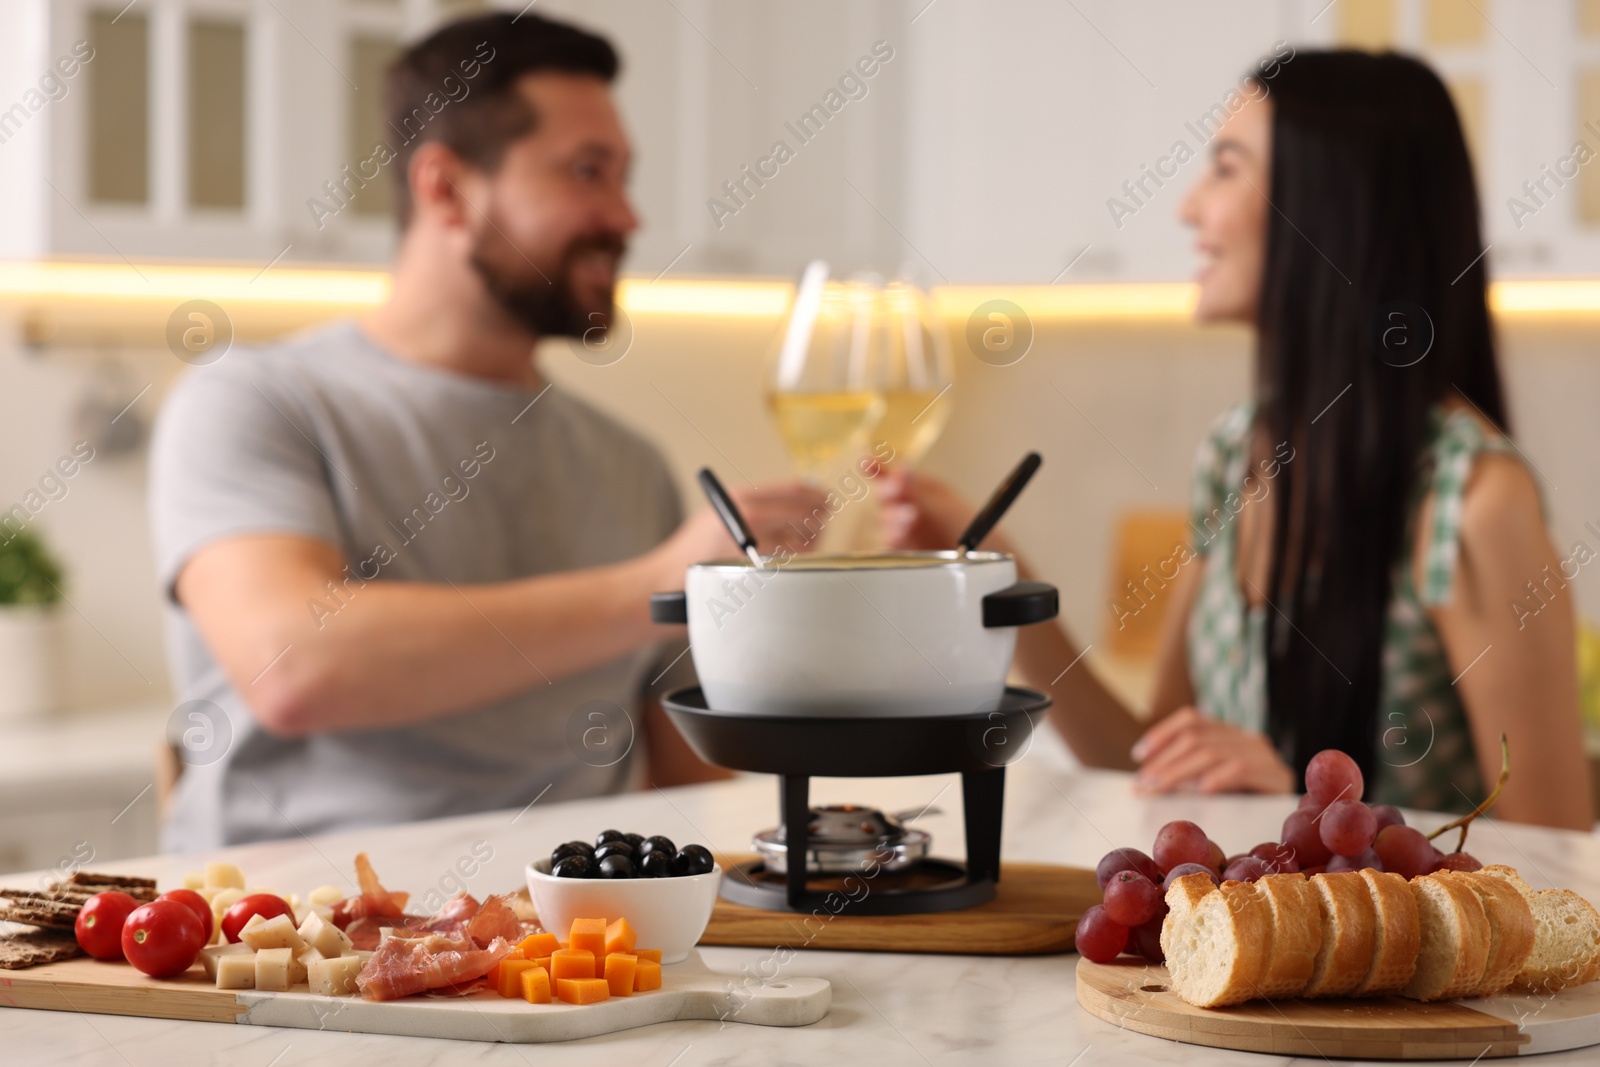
887 1009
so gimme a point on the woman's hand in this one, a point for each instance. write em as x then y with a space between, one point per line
921 512
1189 752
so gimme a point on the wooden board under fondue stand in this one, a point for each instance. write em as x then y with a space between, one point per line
1035 912
1137 996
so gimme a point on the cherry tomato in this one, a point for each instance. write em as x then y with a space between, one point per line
162 938
99 925
197 904
263 904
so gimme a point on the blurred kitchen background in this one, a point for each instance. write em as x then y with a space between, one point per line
204 151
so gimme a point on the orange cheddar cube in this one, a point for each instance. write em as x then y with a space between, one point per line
590 935
653 954
582 990
509 982
536 985
620 968
571 963
620 937
537 945
543 961
646 975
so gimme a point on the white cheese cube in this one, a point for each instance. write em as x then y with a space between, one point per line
324 910
236 970
195 880
297 971
222 900
336 977
272 969
210 956
224 876
276 932
325 894
326 937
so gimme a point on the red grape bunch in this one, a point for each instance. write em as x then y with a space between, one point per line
1331 830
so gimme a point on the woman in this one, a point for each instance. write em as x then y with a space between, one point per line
1359 601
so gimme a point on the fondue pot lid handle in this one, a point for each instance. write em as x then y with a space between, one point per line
1020 604
673 608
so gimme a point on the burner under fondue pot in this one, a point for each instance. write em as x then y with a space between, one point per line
841 838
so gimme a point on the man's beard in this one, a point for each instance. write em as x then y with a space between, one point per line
543 301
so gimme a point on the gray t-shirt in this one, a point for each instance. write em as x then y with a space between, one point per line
415 474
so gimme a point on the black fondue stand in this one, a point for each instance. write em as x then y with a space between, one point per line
977 746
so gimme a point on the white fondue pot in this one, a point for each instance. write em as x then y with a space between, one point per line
857 634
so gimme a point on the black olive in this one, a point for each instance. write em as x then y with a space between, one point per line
634 839
574 867
656 865
657 844
616 866
571 848
613 848
692 859
607 836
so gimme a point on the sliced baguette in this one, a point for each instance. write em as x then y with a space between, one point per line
1455 939
1511 929
1348 919
1396 934
1215 941
1566 941
1296 933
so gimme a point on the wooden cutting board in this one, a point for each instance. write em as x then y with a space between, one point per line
1035 912
1137 996
689 990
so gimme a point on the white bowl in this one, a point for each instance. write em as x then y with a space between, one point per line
667 913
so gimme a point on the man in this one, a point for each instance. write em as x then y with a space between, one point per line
409 573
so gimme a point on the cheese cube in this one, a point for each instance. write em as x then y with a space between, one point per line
325 894
335 977
195 880
571 963
224 876
536 985
276 932
536 945
209 956
589 934
646 975
298 971
619 974
583 990
324 936
620 937
510 976
272 969
236 970
648 954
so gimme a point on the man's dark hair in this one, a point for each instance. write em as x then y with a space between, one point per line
457 86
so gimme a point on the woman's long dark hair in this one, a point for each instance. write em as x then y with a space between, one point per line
1374 256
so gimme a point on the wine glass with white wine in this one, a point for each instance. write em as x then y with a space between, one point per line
912 368
823 392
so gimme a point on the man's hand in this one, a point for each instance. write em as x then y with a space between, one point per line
776 514
1189 752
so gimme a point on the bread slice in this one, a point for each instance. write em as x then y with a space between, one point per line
1396 934
1455 939
1566 940
1348 920
1296 933
1215 940
1511 929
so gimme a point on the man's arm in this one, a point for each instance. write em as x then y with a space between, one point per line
401 652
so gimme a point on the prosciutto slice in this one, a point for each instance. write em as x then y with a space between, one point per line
495 919
374 901
404 966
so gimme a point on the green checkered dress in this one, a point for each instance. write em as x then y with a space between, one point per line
1425 755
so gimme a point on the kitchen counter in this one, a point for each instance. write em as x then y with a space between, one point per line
886 1008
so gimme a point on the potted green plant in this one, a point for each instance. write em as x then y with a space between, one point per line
30 625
